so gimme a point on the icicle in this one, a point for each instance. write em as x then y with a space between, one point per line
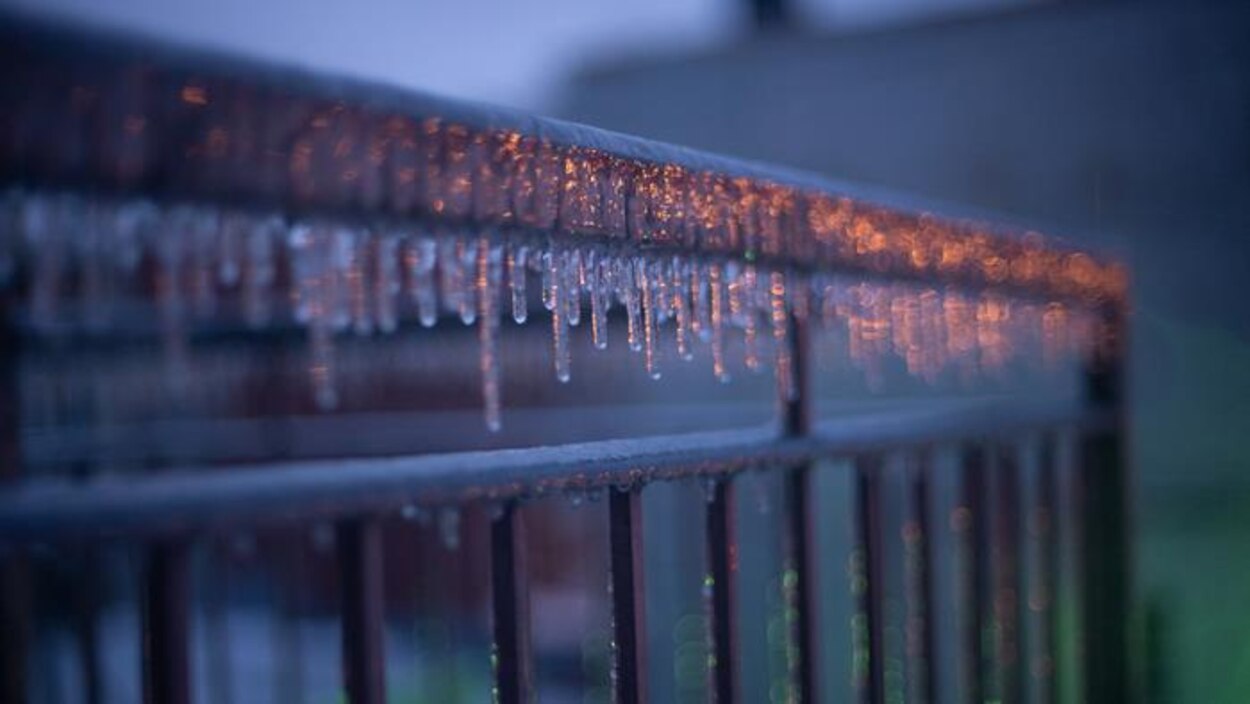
516 282
201 231
91 253
681 308
659 277
321 366
597 284
449 528
550 278
420 257
699 314
464 264
452 288
627 283
559 326
573 274
312 273
259 273
169 253
647 282
357 280
336 279
488 275
716 321
385 282
783 363
229 267
43 237
746 311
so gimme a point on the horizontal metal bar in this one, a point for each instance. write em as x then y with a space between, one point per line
202 499
92 112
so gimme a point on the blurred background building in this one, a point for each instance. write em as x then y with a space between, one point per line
1120 124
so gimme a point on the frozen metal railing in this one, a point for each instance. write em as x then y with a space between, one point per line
171 193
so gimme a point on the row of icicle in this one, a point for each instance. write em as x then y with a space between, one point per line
201 263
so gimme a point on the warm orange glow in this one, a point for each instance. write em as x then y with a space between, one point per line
194 95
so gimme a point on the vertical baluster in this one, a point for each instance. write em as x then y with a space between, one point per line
968 523
1046 580
1006 567
86 615
918 547
15 571
220 674
166 669
629 651
360 568
287 636
510 595
722 564
800 581
1102 493
870 655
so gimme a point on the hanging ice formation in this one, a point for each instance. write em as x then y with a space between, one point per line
338 280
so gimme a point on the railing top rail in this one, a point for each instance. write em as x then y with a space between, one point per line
202 499
90 112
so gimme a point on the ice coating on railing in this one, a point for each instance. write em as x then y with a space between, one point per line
79 262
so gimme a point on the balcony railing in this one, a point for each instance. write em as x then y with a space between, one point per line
189 203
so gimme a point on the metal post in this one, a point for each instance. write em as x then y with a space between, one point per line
1046 582
15 572
510 595
968 522
1006 566
1102 492
722 548
918 545
166 667
801 598
629 652
360 567
870 589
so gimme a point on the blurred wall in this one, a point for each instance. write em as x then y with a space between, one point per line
1124 125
